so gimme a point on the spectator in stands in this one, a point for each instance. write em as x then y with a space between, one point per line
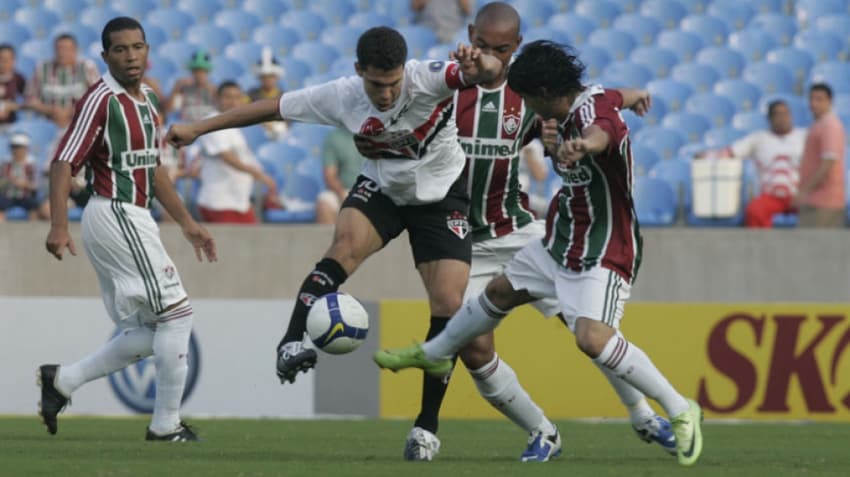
229 168
445 17
78 195
269 71
153 83
776 153
17 177
821 197
59 83
341 165
194 96
12 85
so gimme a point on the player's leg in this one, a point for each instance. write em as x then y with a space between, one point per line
367 221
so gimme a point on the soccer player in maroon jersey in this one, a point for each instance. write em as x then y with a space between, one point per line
590 254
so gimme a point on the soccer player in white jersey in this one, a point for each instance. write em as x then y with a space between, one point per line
114 134
590 254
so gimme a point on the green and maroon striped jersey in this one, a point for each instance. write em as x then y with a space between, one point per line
117 137
493 125
591 221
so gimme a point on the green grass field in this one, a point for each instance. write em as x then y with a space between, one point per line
115 447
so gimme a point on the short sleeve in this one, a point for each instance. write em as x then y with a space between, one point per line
86 129
321 104
603 113
832 140
438 78
217 142
745 146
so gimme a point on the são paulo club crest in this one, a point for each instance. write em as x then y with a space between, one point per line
135 385
372 126
458 224
510 123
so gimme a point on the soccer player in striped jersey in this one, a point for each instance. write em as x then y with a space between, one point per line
114 133
589 256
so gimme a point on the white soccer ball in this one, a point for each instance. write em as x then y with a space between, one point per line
337 323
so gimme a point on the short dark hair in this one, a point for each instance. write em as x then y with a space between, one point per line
775 104
7 46
119 24
227 84
546 69
821 87
65 36
381 47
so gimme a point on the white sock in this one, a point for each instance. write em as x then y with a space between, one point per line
630 363
498 384
634 400
127 347
170 351
476 317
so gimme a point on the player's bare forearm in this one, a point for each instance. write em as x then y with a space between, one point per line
638 100
60 189
489 68
595 139
167 196
246 115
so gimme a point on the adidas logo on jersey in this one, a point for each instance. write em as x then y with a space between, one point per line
489 108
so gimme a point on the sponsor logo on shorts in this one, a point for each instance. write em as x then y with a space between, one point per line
307 298
458 224
364 190
169 271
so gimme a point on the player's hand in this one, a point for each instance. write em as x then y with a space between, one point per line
550 135
57 239
469 58
180 135
642 105
202 240
571 152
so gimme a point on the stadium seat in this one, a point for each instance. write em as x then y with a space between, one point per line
799 106
137 9
316 54
284 155
734 13
643 29
240 24
674 93
743 94
750 121
578 27
698 76
766 6
535 13
97 17
295 72
246 53
343 38
808 11
618 44
753 44
626 74
343 66
785 221
440 52
772 77
212 38
655 202
400 11
155 36
595 60
838 24
68 10
718 109
255 136
39 21
310 137
643 159
603 12
841 102
798 62
83 33
41 48
822 45
14 34
419 39
268 11
686 45
668 12
721 137
23 63
366 20
17 214
280 39
546 33
712 30
8 8
659 60
335 12
308 25
634 122
727 62
174 22
781 27
202 11
162 67
692 125
676 173
42 132
666 142
834 73
179 52
318 79
226 69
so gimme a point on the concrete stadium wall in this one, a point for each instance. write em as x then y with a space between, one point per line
269 262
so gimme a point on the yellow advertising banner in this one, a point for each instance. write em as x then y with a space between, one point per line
740 361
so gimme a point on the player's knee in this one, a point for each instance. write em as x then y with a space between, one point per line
592 336
501 293
478 352
445 301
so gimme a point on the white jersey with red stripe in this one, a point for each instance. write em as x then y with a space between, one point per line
413 149
777 159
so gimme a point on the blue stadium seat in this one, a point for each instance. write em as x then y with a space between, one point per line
84 34
268 11
17 214
749 121
174 22
823 45
643 29
317 79
668 12
162 67
699 77
39 21
766 6
692 125
419 39
23 63
712 30
299 195
643 158
295 72
440 52
14 34
781 27
721 137
284 155
799 106
309 25
344 39
743 94
727 62
400 11
634 122
178 52
834 73
655 202
41 131
137 9
841 102
674 93
808 11
240 24
7 9
280 39
578 27
316 54
686 45
310 137
626 74
212 38
97 17
66 9
246 53
41 48
336 12
366 20
603 12
753 44
155 36
659 60
772 77
799 63
595 60
837 23
785 221
546 33
202 11
535 13
676 173
734 13
343 66
666 142
226 69
617 43
255 136
718 109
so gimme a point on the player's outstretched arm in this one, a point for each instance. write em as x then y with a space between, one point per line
638 100
60 187
476 66
253 113
194 232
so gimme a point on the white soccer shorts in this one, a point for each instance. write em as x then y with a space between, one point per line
138 281
598 294
489 258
